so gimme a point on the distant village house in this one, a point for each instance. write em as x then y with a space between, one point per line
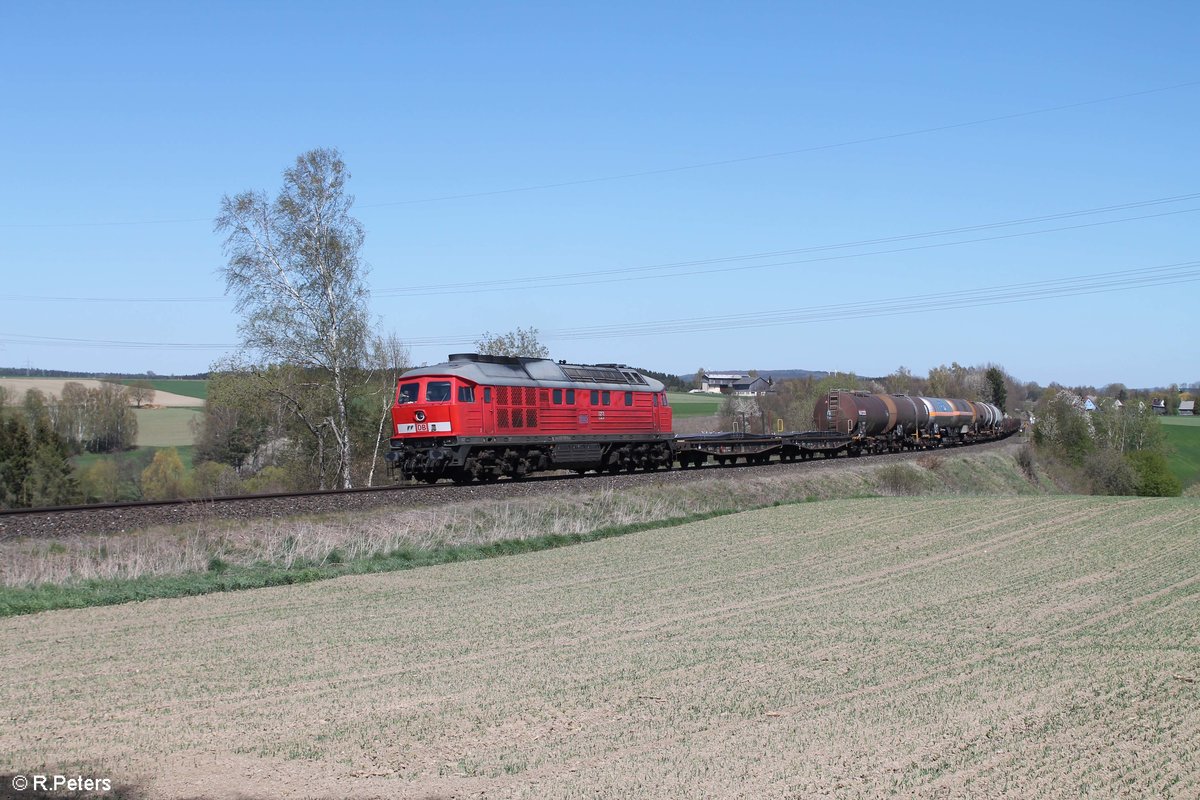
741 384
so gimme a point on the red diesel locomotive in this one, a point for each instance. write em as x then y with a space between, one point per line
481 417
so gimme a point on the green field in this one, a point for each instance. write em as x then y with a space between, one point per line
1183 435
695 405
166 427
187 388
893 647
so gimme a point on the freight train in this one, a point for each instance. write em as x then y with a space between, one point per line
480 417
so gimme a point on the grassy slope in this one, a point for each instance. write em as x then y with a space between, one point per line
166 427
1183 434
694 405
1020 647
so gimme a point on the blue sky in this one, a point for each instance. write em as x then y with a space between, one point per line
576 149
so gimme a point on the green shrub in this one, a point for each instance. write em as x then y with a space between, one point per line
1108 472
1154 477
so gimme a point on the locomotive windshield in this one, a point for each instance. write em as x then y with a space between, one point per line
437 391
407 393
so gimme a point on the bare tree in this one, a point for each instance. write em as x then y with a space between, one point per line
389 359
519 342
141 392
294 269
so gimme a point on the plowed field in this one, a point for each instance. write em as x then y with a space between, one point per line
948 647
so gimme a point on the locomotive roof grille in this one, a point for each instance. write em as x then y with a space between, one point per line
520 371
602 375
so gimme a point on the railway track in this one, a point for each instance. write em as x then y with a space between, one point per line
110 518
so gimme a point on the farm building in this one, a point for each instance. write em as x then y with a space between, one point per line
737 383
721 382
1187 408
1158 406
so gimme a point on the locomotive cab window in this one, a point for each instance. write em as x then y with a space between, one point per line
487 394
466 394
606 398
407 393
629 398
595 398
570 397
437 392
558 397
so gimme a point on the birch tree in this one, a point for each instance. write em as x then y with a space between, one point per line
295 273
390 357
518 342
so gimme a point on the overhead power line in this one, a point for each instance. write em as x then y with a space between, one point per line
672 169
683 269
689 268
1121 280
105 344
799 151
1073 286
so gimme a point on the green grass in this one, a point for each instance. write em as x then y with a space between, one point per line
1183 422
187 388
695 405
166 427
139 457
1183 435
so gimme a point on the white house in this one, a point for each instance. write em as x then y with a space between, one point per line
741 384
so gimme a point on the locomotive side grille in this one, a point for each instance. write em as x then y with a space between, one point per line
530 396
502 418
502 395
517 418
531 418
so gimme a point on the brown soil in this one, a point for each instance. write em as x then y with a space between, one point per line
914 647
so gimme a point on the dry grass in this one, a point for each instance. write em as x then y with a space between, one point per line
1033 647
174 551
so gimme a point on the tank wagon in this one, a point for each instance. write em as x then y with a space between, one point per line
890 422
480 417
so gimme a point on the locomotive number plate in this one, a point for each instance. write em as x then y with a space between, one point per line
424 427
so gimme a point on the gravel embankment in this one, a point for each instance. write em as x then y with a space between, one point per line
130 518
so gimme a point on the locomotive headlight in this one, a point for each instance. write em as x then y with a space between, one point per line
420 416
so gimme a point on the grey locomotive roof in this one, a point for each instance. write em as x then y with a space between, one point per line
509 371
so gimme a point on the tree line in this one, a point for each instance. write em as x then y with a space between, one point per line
1117 448
39 436
790 402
